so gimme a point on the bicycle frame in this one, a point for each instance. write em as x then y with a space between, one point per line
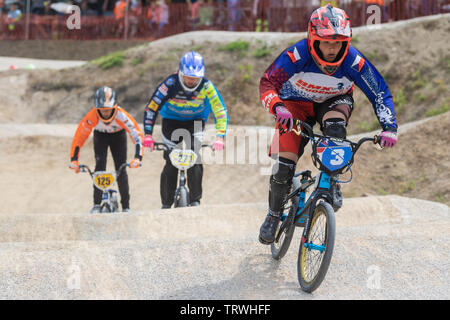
186 163
322 181
107 187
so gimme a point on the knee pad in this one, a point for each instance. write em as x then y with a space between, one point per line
335 127
285 171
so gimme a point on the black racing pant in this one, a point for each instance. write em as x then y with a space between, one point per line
117 142
174 132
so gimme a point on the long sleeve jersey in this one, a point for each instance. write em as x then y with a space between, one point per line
122 120
295 76
174 103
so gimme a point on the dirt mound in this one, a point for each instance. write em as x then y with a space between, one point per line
416 71
195 254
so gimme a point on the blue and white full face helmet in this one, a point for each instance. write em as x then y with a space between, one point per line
191 65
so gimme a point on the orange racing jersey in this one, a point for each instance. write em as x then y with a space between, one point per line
122 120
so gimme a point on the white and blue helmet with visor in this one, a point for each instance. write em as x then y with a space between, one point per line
191 65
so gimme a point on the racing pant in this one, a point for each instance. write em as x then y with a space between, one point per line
117 142
173 133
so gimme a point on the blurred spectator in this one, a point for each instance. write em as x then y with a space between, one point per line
14 15
261 13
160 16
2 7
220 14
119 9
429 7
38 7
205 12
234 13
194 18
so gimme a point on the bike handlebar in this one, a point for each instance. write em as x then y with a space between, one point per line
311 135
161 146
84 167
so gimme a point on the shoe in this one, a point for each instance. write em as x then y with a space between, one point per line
165 206
194 204
337 197
95 208
126 210
268 229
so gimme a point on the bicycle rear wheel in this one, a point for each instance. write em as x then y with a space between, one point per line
285 230
315 256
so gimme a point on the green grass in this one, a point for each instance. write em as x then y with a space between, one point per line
436 111
239 46
399 100
111 60
366 126
262 52
136 61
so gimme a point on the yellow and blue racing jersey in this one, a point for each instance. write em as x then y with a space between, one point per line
174 103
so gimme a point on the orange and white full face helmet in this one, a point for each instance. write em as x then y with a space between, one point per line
329 24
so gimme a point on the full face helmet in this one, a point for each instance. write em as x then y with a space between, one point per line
191 65
105 99
329 24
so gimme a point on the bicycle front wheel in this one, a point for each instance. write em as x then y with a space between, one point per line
315 255
181 198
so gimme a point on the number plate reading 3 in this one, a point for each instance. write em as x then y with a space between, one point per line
334 156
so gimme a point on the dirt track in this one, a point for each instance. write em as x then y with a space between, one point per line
386 248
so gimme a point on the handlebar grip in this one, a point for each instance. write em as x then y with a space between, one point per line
377 139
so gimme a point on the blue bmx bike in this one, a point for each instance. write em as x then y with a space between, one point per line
316 215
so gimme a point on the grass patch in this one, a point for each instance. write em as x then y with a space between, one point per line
366 126
400 101
239 46
407 186
261 52
136 61
437 111
111 60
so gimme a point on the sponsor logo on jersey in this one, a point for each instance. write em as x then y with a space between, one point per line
358 64
153 106
294 56
268 99
170 81
163 89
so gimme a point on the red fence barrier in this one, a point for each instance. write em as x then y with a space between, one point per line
292 17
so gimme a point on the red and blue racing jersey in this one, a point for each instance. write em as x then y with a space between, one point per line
295 76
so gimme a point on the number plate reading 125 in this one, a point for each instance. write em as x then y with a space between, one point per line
104 181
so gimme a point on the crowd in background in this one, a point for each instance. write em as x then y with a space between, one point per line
156 17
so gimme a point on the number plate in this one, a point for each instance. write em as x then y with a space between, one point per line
104 180
334 155
183 159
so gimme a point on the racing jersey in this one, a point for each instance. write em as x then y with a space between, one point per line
174 103
295 76
122 120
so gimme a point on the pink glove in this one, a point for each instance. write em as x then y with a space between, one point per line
149 142
218 145
388 139
284 117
